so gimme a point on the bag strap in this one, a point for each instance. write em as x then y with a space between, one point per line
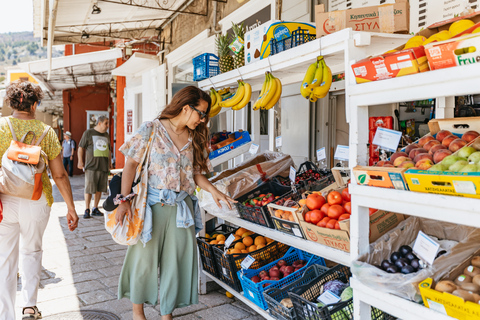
146 155
14 136
43 135
11 128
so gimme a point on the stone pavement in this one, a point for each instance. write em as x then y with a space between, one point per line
81 269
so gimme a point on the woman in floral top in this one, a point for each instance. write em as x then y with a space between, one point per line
178 162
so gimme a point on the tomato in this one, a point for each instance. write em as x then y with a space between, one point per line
337 225
307 217
316 216
323 222
315 201
344 216
331 223
335 211
348 207
346 195
334 197
324 208
372 211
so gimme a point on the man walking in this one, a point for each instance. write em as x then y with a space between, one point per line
96 142
68 146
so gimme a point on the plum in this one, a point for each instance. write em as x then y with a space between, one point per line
411 256
404 250
440 253
392 269
395 256
402 262
415 263
407 269
385 264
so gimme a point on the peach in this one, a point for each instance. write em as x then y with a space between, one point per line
424 164
436 148
456 145
389 165
396 155
448 139
470 135
410 147
440 154
407 164
399 160
427 146
424 140
421 156
382 163
414 152
442 134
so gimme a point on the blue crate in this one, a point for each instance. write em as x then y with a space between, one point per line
298 37
240 138
254 291
205 66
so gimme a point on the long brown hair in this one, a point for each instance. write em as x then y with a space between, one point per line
192 96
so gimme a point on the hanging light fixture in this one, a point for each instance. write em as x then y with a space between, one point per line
85 35
96 9
128 50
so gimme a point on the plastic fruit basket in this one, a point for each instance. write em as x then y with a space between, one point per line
206 251
314 184
228 264
304 299
298 37
260 215
205 66
275 295
254 291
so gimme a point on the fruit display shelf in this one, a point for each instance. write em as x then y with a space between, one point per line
231 154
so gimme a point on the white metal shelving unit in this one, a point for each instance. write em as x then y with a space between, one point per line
231 154
442 84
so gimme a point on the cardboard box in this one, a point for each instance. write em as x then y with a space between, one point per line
286 226
447 303
389 18
391 65
239 137
257 41
334 5
383 177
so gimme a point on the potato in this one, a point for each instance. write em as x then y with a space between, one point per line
471 271
446 286
475 261
469 286
463 278
465 295
287 303
476 279
476 297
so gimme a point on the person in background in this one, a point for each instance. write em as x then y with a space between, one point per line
24 222
95 147
68 146
178 162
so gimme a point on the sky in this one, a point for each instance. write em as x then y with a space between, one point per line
16 15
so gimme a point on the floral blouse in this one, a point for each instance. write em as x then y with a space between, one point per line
168 168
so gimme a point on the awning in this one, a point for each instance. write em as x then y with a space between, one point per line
136 65
76 70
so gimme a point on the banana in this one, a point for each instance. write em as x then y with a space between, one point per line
262 92
276 96
246 97
307 79
271 89
215 108
312 97
322 90
224 90
214 113
233 101
226 96
213 97
318 79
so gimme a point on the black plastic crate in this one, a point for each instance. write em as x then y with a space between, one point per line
228 264
260 215
309 182
206 252
274 296
298 37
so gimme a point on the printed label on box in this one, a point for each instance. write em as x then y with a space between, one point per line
247 262
464 187
436 306
297 232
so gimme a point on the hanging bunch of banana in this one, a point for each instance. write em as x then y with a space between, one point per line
240 98
216 99
270 93
317 80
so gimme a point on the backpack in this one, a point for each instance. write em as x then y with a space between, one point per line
22 167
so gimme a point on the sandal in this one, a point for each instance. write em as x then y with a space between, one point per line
35 315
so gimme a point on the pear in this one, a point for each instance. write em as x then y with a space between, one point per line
474 157
465 152
470 168
437 167
449 160
457 166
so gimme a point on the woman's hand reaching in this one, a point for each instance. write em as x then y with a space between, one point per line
123 209
219 196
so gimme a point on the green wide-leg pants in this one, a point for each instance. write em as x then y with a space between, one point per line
171 256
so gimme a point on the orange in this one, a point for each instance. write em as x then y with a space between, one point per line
268 240
235 251
260 240
240 231
220 237
239 246
302 202
214 242
244 251
252 248
247 241
221 242
278 213
260 246
237 238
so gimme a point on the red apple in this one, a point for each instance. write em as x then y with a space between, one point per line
262 274
470 135
410 147
442 134
457 144
297 263
281 263
421 142
282 268
274 273
396 155
274 278
290 269
424 164
448 139
440 154
265 278
436 148
256 279
430 144
414 152
421 156
399 160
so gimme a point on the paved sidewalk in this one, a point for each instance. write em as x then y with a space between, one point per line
81 269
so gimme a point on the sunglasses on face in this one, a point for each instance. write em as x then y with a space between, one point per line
200 113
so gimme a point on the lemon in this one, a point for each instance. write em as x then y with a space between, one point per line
229 295
415 42
460 26
433 38
444 35
476 30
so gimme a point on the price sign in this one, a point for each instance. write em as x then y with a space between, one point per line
342 153
425 247
293 174
229 241
247 262
253 148
278 141
387 139
321 154
328 297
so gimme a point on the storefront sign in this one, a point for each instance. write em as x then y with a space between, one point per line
129 121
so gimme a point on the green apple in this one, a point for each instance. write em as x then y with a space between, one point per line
474 157
449 160
465 152
470 168
437 167
457 166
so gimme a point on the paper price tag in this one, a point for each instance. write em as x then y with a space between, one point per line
247 262
293 174
464 187
229 241
278 141
321 154
328 297
297 232
253 148
342 153
425 247
387 139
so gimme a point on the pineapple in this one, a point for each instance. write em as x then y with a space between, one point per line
239 58
225 60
